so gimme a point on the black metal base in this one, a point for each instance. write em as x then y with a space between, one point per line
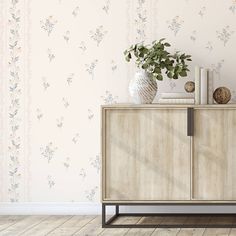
109 223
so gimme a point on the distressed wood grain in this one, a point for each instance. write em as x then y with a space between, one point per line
152 151
22 225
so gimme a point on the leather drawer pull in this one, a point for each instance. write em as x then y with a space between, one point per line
190 120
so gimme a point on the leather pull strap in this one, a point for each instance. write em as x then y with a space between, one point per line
190 121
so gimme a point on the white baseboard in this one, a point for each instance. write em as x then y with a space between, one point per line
50 208
85 208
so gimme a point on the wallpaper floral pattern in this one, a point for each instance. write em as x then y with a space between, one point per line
65 59
14 92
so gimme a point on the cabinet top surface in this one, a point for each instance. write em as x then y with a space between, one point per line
156 105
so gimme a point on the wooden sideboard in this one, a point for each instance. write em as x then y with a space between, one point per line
169 154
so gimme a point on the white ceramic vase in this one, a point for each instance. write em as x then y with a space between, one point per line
143 88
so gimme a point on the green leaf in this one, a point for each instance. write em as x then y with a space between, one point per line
170 68
145 66
163 65
182 56
141 54
162 39
159 77
128 57
170 75
175 76
162 47
157 70
183 73
167 44
136 53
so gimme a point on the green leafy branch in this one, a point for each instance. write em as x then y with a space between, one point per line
155 58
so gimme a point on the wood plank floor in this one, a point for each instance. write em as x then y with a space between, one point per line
91 225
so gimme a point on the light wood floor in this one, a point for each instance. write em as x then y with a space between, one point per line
91 225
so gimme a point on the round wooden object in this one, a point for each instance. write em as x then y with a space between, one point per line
189 87
222 95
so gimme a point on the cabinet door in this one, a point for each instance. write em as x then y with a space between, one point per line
146 155
214 154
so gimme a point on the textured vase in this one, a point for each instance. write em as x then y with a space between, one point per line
143 88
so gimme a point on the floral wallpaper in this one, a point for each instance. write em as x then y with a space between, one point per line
64 58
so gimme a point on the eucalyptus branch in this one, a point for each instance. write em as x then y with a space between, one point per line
155 59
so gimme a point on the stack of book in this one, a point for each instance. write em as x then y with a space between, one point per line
203 86
176 98
203 90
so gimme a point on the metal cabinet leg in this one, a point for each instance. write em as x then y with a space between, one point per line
117 210
103 215
107 224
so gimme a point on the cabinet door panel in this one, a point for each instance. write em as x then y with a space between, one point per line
214 154
147 155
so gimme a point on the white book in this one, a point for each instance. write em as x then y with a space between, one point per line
197 85
210 87
177 95
204 86
176 101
